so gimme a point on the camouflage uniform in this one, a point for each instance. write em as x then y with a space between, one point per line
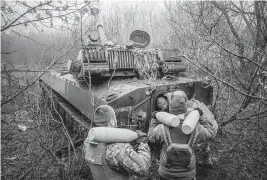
206 129
117 156
114 161
203 154
202 150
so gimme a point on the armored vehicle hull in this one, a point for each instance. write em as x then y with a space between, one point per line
133 100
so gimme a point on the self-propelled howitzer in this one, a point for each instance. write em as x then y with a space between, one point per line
128 78
113 76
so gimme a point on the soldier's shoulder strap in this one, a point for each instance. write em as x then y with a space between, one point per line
193 137
166 134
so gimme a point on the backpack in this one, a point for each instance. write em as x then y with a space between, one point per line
178 155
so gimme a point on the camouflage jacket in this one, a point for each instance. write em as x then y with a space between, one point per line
206 129
117 157
207 126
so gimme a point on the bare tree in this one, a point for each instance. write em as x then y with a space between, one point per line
228 41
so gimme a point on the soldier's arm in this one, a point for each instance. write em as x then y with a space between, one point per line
208 121
154 135
126 158
122 156
207 128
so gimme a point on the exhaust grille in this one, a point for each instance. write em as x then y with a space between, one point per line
95 55
121 59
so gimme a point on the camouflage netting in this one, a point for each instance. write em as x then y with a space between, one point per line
146 64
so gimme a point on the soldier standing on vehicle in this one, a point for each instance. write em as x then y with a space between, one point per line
177 160
112 161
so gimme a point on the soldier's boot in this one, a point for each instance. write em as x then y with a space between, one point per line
207 160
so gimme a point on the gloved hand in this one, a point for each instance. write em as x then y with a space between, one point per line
199 110
142 137
154 122
140 134
154 114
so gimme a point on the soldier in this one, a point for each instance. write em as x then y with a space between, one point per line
202 150
162 103
177 160
114 161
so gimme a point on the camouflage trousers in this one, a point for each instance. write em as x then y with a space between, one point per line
203 154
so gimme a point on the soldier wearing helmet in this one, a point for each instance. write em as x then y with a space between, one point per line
202 150
113 161
173 141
